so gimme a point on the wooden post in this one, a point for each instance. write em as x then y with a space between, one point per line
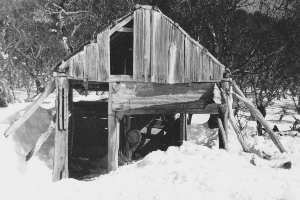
182 127
126 129
60 169
226 120
71 122
113 134
223 144
225 86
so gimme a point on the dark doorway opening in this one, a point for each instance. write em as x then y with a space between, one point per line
88 158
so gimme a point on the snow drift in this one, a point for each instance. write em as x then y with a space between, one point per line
192 171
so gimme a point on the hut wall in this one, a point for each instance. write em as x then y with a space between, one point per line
163 53
93 63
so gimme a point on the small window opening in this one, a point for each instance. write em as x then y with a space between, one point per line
121 51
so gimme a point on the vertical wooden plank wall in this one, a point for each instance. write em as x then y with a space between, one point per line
160 49
76 66
142 45
60 168
103 56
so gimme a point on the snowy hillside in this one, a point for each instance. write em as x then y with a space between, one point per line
192 171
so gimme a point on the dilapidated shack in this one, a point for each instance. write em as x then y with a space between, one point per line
149 66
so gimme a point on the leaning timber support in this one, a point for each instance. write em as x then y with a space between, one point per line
35 105
255 112
60 168
229 101
113 134
41 141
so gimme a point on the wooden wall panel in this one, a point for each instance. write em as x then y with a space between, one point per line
146 44
79 64
200 67
90 60
162 53
205 66
155 45
176 57
211 69
188 60
103 56
76 66
180 64
138 67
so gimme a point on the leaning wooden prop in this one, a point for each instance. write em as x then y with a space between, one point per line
227 95
41 141
35 105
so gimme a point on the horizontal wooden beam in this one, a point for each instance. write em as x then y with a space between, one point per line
210 109
125 30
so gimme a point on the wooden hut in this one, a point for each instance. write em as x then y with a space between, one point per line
149 65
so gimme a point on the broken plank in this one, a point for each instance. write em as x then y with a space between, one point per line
120 24
14 126
41 141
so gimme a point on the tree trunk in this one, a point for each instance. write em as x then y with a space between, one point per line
262 110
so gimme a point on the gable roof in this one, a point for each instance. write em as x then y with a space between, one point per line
118 24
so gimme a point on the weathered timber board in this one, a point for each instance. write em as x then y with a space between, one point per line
103 56
138 67
132 95
187 63
91 55
146 44
155 45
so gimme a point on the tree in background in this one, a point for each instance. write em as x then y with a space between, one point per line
257 40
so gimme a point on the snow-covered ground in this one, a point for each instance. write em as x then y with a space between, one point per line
192 171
